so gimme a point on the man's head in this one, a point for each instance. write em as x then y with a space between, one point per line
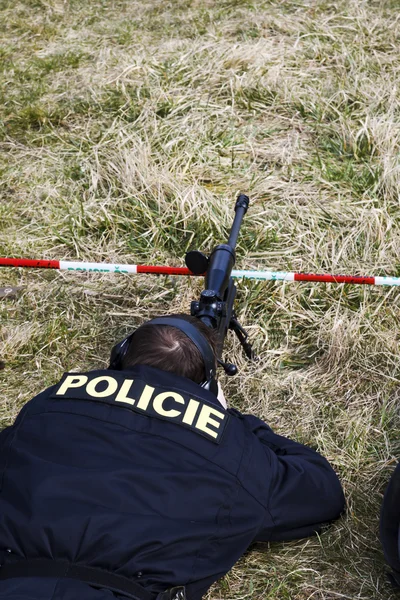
170 349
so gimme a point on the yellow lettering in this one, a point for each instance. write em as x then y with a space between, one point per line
145 397
160 399
205 419
124 391
112 385
72 381
190 412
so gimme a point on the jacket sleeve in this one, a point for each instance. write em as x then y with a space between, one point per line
305 492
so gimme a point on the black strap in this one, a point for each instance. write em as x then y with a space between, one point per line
42 567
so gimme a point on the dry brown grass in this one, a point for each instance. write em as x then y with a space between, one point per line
126 130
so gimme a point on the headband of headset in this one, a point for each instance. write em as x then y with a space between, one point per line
120 350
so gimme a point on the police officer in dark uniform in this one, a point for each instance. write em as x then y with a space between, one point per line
136 482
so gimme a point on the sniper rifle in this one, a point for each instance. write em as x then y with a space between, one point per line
215 308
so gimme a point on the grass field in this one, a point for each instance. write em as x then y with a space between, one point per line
126 130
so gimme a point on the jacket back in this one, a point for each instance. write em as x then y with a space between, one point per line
143 473
91 480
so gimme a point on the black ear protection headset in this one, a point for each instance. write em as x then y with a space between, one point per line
120 350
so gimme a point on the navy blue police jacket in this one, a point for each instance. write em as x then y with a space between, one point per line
143 474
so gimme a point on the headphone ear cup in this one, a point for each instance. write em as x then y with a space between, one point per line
211 385
118 353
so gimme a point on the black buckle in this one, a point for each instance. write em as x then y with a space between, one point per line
175 593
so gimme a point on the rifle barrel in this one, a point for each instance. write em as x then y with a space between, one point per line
222 258
241 206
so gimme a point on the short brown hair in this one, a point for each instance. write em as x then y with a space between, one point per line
169 349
